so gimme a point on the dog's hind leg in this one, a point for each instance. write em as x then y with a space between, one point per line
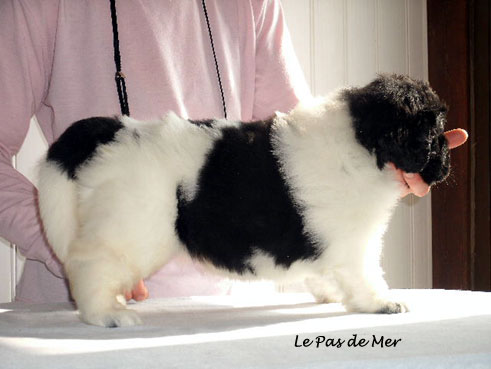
325 289
97 283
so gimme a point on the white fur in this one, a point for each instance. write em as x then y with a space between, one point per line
58 206
115 224
348 200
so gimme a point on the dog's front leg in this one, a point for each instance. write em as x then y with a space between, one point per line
366 291
325 289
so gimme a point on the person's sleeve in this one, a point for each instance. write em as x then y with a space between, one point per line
27 34
280 82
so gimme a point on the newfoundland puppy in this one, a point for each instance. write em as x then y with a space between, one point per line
304 195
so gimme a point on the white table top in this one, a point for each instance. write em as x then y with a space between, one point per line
445 329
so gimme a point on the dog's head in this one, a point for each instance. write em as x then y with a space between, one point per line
402 120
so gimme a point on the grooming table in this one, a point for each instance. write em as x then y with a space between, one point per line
445 329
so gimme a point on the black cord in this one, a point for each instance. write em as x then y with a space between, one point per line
119 76
215 57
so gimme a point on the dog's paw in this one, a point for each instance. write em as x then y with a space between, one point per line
376 306
112 318
392 307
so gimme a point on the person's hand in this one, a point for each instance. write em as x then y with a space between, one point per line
412 182
139 292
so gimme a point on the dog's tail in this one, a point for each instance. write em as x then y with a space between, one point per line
58 207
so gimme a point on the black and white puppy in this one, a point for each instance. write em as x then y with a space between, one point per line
304 195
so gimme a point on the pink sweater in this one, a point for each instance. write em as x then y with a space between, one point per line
56 62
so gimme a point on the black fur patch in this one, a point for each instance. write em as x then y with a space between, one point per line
401 120
243 205
438 166
78 143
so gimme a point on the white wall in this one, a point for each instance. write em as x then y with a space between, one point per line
338 42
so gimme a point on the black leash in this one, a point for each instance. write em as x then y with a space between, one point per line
215 57
119 76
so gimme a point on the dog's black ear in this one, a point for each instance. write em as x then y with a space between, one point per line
399 120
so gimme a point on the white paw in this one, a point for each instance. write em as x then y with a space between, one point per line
112 318
392 307
378 307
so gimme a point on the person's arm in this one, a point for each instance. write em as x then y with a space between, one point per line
27 34
280 82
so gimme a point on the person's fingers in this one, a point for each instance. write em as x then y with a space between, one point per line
398 174
456 137
416 184
139 292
